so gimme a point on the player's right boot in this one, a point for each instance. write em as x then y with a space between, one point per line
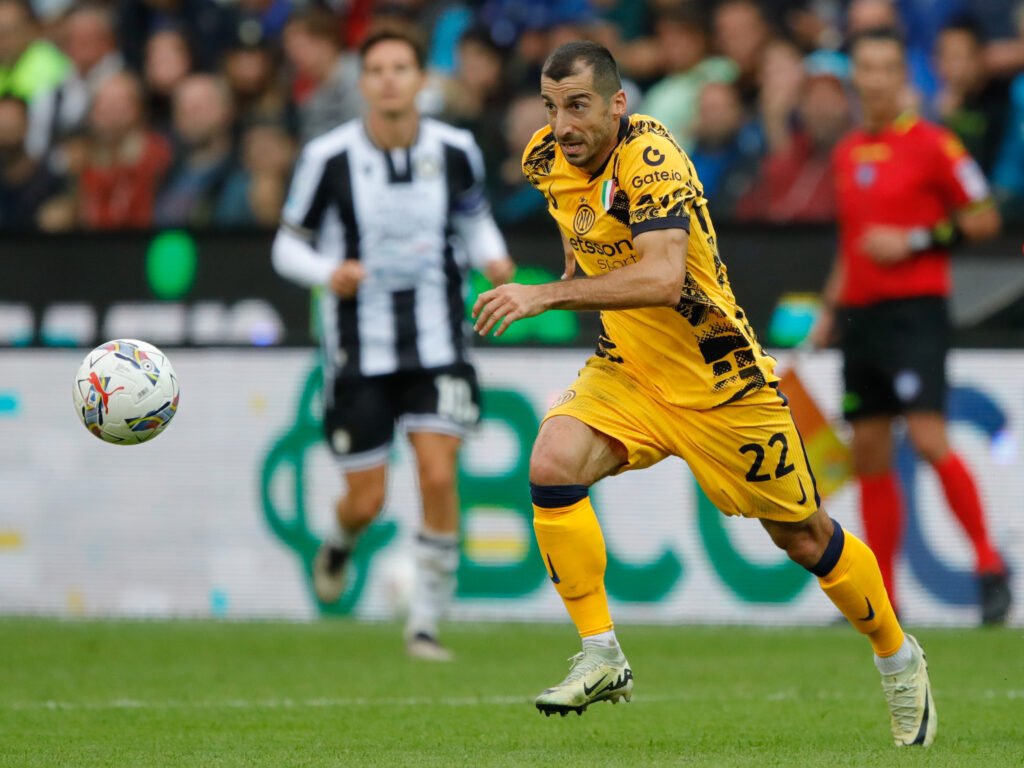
597 674
912 715
329 572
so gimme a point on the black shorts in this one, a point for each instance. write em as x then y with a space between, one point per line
894 356
359 422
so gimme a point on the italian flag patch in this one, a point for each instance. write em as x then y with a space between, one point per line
608 194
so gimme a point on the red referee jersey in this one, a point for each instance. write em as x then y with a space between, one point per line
911 174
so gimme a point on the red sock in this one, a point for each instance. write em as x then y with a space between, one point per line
881 509
962 495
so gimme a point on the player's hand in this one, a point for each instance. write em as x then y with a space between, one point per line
500 271
823 331
346 278
886 245
502 306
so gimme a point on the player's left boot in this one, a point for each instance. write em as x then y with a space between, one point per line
912 716
597 674
329 572
425 646
994 596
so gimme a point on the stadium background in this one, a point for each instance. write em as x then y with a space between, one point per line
221 515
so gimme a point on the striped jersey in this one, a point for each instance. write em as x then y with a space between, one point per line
416 218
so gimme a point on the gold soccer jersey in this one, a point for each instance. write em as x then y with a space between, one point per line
700 354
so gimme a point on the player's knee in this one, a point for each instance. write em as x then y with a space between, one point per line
437 478
803 543
868 461
549 466
361 508
804 550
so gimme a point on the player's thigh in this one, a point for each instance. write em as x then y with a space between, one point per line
444 401
749 458
359 421
613 405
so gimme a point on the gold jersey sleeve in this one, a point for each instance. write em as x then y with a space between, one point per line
703 352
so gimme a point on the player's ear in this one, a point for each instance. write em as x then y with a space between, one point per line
618 103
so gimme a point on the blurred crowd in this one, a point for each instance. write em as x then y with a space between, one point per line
140 113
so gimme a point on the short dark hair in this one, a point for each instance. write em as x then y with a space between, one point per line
317 21
878 35
566 59
966 25
403 33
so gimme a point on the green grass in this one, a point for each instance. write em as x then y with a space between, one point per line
338 693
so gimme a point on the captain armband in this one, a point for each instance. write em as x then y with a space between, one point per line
943 236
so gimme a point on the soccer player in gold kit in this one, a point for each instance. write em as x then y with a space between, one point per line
678 372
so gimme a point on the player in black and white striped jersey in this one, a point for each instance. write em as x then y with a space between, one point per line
388 213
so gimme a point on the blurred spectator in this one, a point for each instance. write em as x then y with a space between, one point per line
684 45
168 61
970 102
513 199
741 34
259 93
126 161
29 65
267 18
1003 31
253 194
207 24
474 96
25 182
795 181
726 148
91 46
781 81
204 156
1008 175
862 15
313 48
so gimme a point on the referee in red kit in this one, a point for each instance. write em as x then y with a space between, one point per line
907 192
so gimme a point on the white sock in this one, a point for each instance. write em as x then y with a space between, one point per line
437 560
343 539
602 640
892 665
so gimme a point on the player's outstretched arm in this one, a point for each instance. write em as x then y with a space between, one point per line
654 280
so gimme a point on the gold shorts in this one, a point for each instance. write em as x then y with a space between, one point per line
747 455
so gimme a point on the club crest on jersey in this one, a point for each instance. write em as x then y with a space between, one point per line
865 174
608 189
427 167
584 219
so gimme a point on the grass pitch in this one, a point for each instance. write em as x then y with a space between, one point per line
338 693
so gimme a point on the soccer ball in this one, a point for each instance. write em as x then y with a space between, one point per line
126 392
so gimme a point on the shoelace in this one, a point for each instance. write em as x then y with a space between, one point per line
903 704
582 665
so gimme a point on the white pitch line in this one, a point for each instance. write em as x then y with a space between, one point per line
426 701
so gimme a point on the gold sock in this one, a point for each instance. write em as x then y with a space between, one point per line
572 547
855 585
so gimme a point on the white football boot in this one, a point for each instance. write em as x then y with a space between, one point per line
597 674
912 715
329 572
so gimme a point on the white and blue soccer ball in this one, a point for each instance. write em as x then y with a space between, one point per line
126 392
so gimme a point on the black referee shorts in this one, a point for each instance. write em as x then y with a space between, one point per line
894 356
